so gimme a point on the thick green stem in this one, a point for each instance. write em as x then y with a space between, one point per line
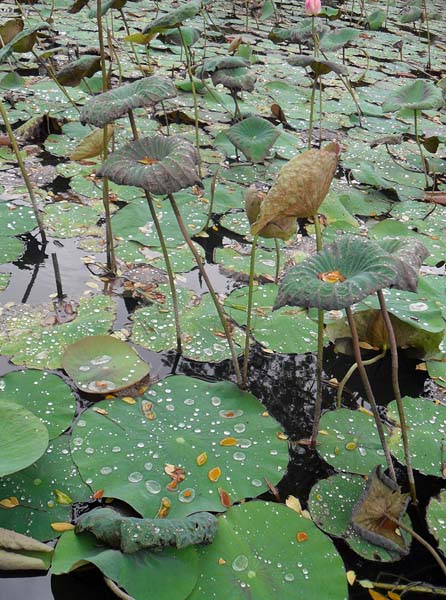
194 94
310 125
350 372
397 393
23 171
277 273
417 138
249 312
368 391
210 287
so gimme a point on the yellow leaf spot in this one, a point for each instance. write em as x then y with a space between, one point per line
148 161
301 536
281 435
265 414
100 411
351 577
10 502
351 446
225 498
332 277
365 411
61 527
62 497
164 508
214 474
221 561
128 400
201 459
110 397
228 441
323 432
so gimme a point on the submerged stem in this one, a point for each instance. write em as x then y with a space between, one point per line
343 382
249 311
368 391
397 393
210 287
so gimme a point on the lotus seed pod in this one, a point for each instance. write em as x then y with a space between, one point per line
282 228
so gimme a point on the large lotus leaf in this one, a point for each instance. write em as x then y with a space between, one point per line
134 223
426 431
338 38
23 438
39 346
436 519
101 364
201 329
72 74
158 164
145 574
109 106
250 556
67 220
44 394
181 258
210 65
16 220
188 35
417 95
341 274
331 504
173 18
45 492
348 440
319 66
212 438
288 330
19 552
301 186
22 42
254 136
300 34
132 534
236 79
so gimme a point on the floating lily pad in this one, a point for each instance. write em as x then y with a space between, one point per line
436 518
254 136
16 220
181 258
229 445
24 438
288 330
45 492
102 364
235 263
348 440
10 249
156 570
44 394
67 220
248 555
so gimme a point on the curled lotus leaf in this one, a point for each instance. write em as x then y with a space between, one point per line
298 35
211 65
254 136
131 534
409 254
378 512
282 228
418 95
173 18
236 79
189 35
319 66
109 106
72 74
301 186
343 273
158 164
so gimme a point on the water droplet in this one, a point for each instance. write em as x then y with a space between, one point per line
418 307
106 470
215 401
148 466
116 449
186 495
84 368
230 414
89 450
289 577
240 563
189 401
245 443
239 456
135 477
153 486
240 428
256 482
81 423
101 360
37 481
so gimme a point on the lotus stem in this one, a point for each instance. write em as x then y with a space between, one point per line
211 201
310 126
420 540
343 382
23 171
211 289
237 112
417 138
320 112
133 124
387 14
249 312
277 273
194 94
409 587
315 36
116 589
426 16
368 391
132 45
320 350
58 278
397 393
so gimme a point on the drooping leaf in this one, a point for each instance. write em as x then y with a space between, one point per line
158 164
23 438
282 228
317 65
189 35
237 79
411 254
417 95
102 364
254 136
174 18
9 30
109 106
92 145
131 534
211 65
22 42
20 552
72 73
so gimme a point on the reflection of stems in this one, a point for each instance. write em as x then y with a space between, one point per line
368 390
194 94
397 393
350 372
426 16
210 287
320 349
23 171
419 539
417 138
249 311
276 276
212 197
409 587
310 126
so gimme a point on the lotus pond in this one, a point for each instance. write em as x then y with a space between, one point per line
222 299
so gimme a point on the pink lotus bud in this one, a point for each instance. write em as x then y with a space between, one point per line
313 7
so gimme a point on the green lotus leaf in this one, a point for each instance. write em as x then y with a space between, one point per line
331 504
254 136
353 268
20 552
236 79
319 66
158 164
376 19
282 227
72 74
418 95
256 554
436 519
338 38
300 34
109 106
101 364
378 511
189 35
23 438
151 450
211 65
173 18
132 534
411 15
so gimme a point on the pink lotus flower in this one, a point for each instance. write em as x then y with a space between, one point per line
313 7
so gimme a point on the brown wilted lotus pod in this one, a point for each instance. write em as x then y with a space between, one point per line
301 186
282 227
